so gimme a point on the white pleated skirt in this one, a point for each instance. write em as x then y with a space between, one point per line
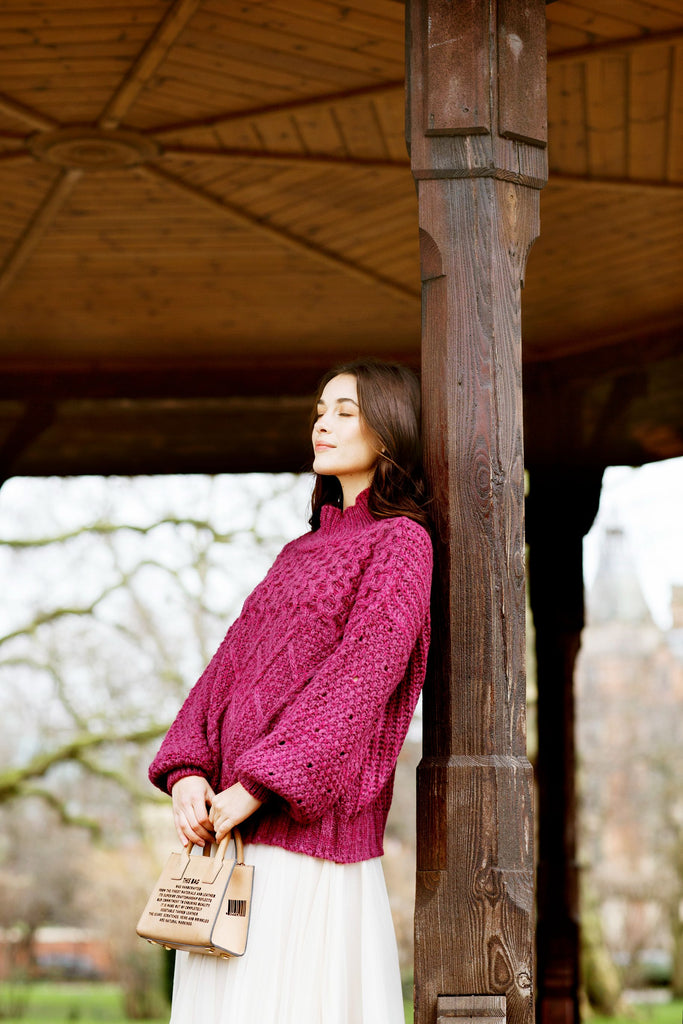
321 950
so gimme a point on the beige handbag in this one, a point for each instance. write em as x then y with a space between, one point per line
202 904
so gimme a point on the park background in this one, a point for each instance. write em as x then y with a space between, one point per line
116 591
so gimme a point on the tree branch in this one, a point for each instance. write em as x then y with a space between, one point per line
123 782
74 820
45 618
106 529
13 780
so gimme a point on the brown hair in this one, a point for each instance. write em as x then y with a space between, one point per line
389 403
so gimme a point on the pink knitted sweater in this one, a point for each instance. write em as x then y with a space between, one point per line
308 699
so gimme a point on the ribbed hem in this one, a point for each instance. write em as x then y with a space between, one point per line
343 840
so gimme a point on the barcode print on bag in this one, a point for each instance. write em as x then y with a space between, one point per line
236 908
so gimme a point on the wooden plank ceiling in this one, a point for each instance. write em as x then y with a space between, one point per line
204 203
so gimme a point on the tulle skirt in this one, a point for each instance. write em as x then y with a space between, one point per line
321 950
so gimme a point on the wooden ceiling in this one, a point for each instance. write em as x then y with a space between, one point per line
204 203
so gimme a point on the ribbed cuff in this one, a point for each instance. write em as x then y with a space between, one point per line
182 773
255 789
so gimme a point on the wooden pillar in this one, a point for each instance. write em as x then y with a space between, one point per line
561 508
476 134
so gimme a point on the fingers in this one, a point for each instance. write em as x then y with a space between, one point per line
222 823
190 813
231 808
188 833
195 822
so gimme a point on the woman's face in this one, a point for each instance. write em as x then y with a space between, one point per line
342 444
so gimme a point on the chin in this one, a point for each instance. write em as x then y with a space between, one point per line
321 467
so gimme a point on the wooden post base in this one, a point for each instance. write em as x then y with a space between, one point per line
476 812
470 1009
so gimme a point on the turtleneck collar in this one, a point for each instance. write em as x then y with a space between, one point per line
333 518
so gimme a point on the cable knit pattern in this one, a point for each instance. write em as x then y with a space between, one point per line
309 697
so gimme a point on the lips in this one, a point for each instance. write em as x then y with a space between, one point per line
320 446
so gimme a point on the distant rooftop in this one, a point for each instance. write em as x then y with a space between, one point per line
616 594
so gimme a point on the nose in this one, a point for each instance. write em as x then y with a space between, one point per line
321 424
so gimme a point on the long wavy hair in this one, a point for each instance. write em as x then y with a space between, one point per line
389 404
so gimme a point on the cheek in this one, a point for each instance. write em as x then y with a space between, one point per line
365 453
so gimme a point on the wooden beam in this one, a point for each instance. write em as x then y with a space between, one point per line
37 226
617 184
325 159
141 379
235 434
30 117
614 404
289 107
278 235
621 45
37 417
473 112
556 593
267 156
10 156
147 63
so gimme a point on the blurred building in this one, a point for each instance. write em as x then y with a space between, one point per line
56 952
629 702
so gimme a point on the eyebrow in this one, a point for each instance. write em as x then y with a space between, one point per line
339 401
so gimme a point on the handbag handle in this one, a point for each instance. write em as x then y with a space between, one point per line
222 847
217 861
239 845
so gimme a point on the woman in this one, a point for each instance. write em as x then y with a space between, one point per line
294 729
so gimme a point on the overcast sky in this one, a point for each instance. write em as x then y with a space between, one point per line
648 504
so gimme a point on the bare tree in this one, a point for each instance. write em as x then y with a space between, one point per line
113 607
118 623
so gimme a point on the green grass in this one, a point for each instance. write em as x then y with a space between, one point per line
650 1013
81 1003
100 1003
53 1003
48 1003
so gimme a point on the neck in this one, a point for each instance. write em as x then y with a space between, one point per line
352 487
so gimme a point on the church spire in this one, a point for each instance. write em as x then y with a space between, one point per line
616 594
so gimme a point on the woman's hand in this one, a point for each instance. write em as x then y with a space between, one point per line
230 808
191 796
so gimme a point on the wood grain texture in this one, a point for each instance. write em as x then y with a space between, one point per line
482 230
607 115
39 223
472 96
482 1009
25 115
650 94
474 903
456 87
146 272
674 169
147 62
522 107
280 235
474 919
